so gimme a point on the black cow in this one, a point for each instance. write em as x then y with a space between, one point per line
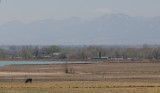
28 80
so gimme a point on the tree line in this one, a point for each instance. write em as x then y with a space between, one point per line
77 52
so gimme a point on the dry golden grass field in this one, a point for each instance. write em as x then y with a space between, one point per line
82 78
80 87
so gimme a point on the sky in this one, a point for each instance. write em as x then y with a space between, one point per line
29 10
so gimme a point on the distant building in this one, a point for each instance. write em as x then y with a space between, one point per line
100 56
46 56
56 54
18 57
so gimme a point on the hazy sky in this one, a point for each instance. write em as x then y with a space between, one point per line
28 10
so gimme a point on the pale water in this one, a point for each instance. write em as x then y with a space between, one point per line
3 63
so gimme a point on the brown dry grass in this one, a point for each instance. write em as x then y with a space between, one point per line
88 78
80 87
84 72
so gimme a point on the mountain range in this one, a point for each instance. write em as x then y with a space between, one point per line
109 29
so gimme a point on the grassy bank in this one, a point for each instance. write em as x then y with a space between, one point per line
94 60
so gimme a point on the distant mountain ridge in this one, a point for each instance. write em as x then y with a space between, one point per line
105 30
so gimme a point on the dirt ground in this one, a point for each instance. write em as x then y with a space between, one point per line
83 72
